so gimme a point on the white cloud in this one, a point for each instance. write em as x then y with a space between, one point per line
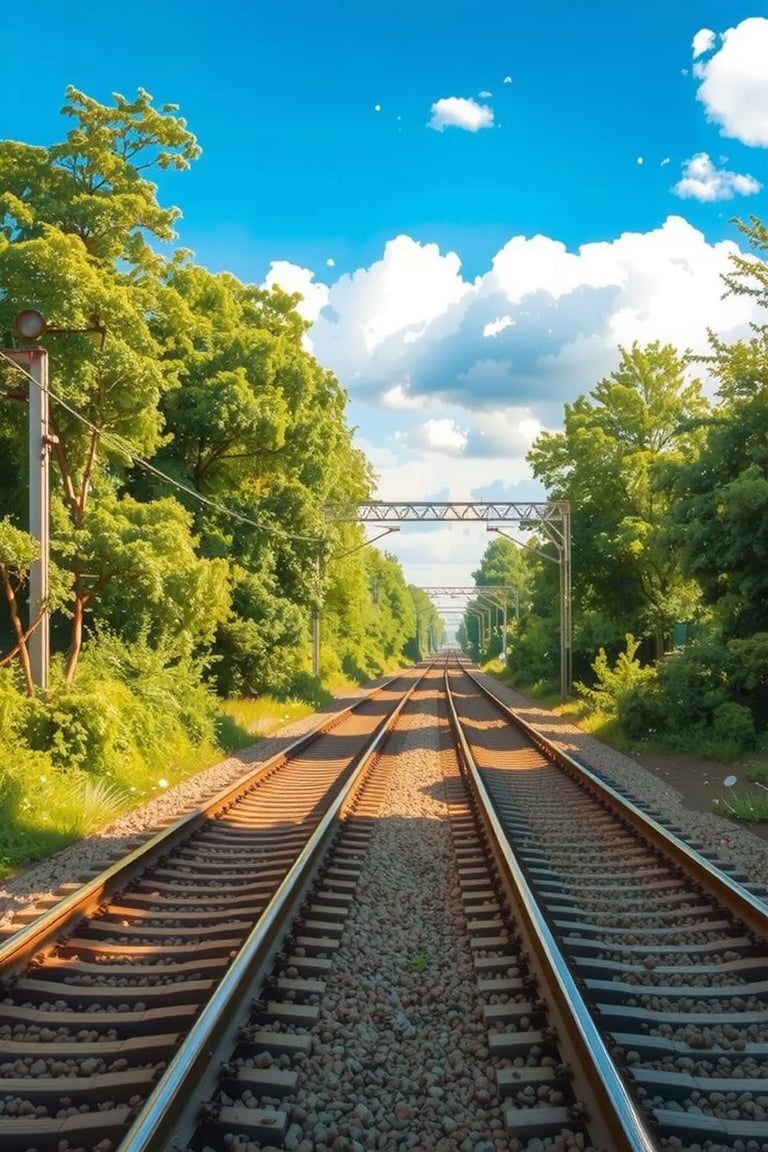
665 161
485 94
493 327
703 41
458 112
702 181
330 262
392 302
377 107
443 436
734 88
398 399
507 80
409 328
641 160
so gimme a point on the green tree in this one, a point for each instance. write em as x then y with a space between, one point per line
76 221
611 462
720 517
18 551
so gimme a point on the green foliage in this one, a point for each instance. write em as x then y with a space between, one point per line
611 462
758 773
751 808
732 721
131 706
262 646
534 653
95 803
173 704
207 377
612 684
136 721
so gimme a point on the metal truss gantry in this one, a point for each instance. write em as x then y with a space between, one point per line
552 519
495 593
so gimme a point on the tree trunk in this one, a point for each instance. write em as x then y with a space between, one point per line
21 639
76 638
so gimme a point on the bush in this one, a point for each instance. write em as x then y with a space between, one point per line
168 697
731 721
80 729
613 684
644 712
533 655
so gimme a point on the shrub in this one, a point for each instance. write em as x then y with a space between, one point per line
732 721
613 684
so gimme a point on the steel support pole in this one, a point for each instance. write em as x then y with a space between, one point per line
34 361
39 641
566 659
316 625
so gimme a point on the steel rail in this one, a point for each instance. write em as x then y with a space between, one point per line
170 1100
619 1117
741 902
18 948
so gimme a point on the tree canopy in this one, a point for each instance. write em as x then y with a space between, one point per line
195 440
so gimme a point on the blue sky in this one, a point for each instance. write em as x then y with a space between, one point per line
480 203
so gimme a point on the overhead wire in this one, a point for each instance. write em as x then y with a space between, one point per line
118 445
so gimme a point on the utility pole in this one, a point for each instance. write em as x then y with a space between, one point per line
34 362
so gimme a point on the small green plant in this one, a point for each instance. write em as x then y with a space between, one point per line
751 808
612 683
419 962
758 773
95 804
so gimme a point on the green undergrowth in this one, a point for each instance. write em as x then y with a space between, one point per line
749 806
240 722
135 723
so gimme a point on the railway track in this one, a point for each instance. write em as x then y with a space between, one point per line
596 993
667 953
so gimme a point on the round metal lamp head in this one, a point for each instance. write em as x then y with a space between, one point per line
30 324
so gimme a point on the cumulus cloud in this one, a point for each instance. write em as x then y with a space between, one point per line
390 304
458 112
410 330
703 41
493 327
443 436
701 180
734 88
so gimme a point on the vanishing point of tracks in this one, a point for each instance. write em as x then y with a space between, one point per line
179 999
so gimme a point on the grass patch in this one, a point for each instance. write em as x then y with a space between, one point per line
751 808
757 773
241 722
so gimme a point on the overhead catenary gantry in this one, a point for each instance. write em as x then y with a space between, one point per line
552 519
497 594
